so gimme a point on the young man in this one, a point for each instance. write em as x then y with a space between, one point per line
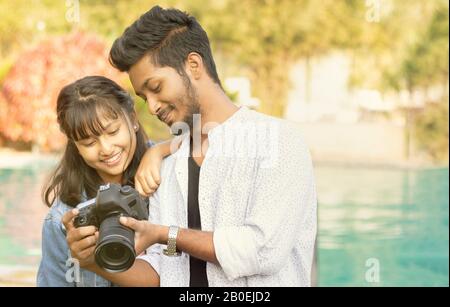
237 203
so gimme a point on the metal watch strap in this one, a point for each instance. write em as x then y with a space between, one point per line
171 249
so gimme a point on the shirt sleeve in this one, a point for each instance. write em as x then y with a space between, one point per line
153 254
281 214
55 253
150 144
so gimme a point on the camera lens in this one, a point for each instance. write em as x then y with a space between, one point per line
115 249
115 256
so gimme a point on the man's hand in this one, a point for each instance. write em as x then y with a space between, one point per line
146 234
147 178
81 240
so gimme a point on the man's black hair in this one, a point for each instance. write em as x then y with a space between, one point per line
168 36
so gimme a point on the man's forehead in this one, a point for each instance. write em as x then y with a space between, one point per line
144 71
144 68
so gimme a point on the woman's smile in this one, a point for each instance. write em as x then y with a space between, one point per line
114 159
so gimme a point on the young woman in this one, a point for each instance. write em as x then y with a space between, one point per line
105 144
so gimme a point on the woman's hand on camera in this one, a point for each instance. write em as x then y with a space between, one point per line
81 240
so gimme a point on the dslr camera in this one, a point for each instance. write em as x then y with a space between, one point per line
114 251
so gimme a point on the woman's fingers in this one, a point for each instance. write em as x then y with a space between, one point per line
78 234
145 184
87 253
79 246
137 186
68 217
144 189
156 177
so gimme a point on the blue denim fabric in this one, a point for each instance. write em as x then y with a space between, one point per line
57 269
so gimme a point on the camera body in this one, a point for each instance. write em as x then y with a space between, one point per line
115 248
111 199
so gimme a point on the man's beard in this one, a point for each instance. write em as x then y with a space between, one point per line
187 102
192 104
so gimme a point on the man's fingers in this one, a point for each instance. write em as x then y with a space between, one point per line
130 222
68 217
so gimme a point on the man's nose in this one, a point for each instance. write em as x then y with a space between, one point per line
153 105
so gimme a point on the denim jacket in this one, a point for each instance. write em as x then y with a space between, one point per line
57 268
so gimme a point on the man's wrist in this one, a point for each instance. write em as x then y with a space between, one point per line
163 234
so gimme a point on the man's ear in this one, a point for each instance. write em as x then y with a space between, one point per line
194 65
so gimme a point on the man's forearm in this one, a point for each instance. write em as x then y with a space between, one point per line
141 274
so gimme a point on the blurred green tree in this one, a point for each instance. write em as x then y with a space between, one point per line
265 38
431 131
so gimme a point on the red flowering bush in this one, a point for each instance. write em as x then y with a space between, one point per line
30 89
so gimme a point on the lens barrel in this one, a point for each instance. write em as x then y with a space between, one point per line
115 248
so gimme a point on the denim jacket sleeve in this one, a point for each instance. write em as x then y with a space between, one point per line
57 268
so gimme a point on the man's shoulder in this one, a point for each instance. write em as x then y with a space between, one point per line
286 131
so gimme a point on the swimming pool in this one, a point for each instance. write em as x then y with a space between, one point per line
394 221
377 226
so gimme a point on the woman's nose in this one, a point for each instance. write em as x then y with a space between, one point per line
106 147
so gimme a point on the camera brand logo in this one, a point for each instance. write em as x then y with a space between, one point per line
104 187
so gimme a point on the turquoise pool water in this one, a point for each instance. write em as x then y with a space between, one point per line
377 227
22 213
395 221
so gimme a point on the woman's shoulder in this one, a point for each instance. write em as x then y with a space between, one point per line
57 210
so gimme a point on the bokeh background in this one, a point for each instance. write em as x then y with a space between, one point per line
367 81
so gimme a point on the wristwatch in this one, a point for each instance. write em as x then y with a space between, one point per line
171 249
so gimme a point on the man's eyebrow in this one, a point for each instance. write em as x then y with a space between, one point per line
144 85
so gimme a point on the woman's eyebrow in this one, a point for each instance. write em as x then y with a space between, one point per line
105 128
109 125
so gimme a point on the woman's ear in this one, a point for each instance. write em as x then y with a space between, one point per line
134 122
